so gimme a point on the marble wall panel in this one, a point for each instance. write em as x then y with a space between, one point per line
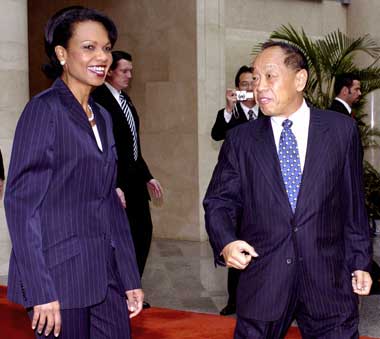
175 166
14 93
211 87
168 107
13 56
13 23
363 18
13 98
240 43
268 15
169 145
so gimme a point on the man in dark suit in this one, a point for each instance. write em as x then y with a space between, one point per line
236 112
134 177
2 176
303 249
347 91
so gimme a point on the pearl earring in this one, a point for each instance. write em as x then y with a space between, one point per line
62 62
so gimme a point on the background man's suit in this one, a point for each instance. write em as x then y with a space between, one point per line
314 250
337 106
65 219
132 175
221 127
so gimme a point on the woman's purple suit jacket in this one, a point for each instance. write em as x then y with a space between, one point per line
63 213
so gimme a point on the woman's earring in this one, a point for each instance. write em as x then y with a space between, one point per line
62 62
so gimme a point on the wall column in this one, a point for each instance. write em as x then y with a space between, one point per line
14 92
211 88
363 19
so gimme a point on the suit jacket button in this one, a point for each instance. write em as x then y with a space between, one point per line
289 261
295 229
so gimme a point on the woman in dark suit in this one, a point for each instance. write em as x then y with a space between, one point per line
73 263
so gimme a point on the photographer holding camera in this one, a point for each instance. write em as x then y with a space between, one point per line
240 105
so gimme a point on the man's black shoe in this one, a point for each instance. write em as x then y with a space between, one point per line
145 305
228 310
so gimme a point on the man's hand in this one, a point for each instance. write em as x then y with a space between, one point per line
49 315
361 282
238 254
121 196
155 188
230 99
135 300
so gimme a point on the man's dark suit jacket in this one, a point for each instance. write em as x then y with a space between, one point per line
61 205
220 128
337 106
132 175
2 174
316 248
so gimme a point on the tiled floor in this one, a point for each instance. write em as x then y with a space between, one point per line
181 275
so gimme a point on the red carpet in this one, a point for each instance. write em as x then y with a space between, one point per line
162 323
154 323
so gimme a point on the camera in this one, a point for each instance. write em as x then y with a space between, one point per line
244 95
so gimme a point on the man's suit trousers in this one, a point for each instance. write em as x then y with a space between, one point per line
138 211
342 325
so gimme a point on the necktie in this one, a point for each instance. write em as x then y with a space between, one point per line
290 163
131 123
250 115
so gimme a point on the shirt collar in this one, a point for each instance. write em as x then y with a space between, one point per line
296 117
113 90
344 103
246 109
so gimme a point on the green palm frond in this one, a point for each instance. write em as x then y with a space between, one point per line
336 51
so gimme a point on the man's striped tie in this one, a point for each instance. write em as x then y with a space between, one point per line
131 123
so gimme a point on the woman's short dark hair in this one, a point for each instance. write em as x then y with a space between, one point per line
59 30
